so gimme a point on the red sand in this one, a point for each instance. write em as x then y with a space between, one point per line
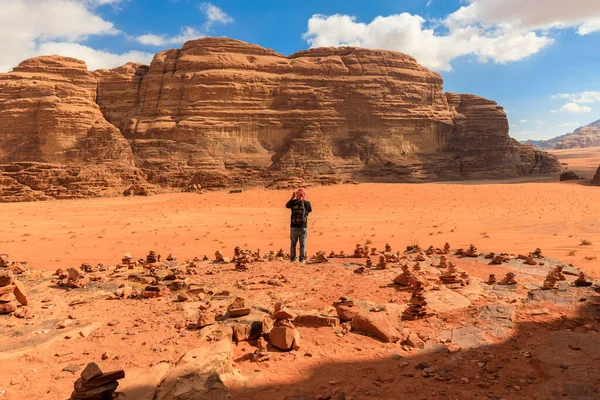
514 217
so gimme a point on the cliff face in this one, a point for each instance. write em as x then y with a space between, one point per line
221 112
54 140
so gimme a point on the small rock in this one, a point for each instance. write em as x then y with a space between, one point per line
72 368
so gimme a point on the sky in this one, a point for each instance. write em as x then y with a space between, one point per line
539 59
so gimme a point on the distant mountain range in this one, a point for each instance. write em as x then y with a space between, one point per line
585 136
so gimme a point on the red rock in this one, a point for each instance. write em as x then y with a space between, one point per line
151 291
239 312
8 289
91 371
6 277
316 320
279 114
284 336
596 180
284 313
8 307
21 292
46 94
377 324
206 318
81 385
345 312
413 340
101 392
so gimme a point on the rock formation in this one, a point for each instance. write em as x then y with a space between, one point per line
596 180
221 112
584 136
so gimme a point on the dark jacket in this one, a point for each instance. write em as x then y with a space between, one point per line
307 208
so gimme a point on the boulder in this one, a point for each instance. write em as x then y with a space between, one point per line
596 180
21 292
569 176
8 307
378 324
285 336
197 374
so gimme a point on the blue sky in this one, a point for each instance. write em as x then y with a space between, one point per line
537 58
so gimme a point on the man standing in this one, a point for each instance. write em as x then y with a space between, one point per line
298 228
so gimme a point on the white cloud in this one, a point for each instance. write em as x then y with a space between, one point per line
568 124
95 59
30 28
491 30
581 97
213 16
574 108
187 33
532 14
523 121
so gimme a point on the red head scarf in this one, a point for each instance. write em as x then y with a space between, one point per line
301 194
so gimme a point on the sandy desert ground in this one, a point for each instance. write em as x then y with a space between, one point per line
537 354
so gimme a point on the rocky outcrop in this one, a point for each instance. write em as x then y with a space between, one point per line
596 180
585 136
220 112
54 140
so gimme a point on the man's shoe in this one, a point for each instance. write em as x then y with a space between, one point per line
292 259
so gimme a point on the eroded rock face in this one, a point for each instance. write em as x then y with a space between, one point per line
221 112
48 114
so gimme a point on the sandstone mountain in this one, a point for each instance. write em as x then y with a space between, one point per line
221 112
584 136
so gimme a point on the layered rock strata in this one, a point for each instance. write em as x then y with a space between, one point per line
220 112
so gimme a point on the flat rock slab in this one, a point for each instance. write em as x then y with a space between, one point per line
552 296
197 374
444 300
466 338
141 383
501 315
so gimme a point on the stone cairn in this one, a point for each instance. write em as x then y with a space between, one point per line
242 258
447 248
238 308
359 252
94 384
581 281
16 267
152 257
129 261
284 334
470 252
554 276
406 278
319 258
75 279
10 289
491 280
450 276
382 264
509 279
417 306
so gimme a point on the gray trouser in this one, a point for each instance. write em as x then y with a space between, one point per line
295 235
